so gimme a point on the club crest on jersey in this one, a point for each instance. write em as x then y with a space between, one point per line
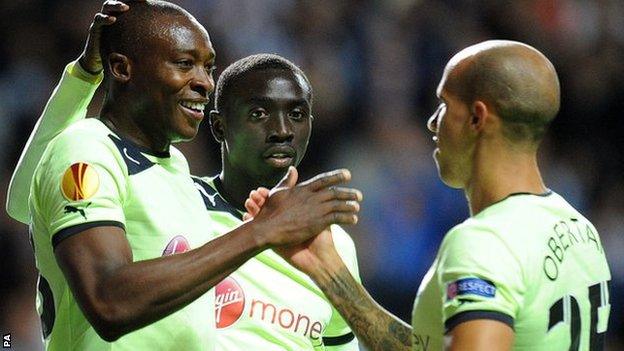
470 286
178 244
80 181
229 302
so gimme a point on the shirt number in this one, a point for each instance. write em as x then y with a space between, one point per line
566 310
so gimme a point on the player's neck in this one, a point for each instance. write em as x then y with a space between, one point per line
123 123
496 175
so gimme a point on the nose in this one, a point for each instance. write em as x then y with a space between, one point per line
280 130
202 82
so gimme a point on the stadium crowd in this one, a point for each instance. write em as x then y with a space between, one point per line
374 66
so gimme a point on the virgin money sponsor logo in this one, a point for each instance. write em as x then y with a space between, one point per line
229 302
178 244
285 318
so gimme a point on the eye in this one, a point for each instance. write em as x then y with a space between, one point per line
258 113
184 63
296 115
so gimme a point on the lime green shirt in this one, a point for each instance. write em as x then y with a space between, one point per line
90 177
532 262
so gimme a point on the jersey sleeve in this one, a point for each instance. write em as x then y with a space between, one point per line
79 184
67 104
480 277
338 335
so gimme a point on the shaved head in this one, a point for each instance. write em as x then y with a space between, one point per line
514 79
135 30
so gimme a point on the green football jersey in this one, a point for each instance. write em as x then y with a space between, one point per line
530 261
87 177
267 304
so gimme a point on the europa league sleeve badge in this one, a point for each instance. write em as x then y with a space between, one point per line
80 181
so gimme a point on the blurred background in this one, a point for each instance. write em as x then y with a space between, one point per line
374 66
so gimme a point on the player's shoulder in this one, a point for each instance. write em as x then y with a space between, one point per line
81 137
87 142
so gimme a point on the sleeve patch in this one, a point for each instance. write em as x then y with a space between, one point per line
80 181
470 286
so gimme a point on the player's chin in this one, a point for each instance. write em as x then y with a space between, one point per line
272 175
448 177
185 133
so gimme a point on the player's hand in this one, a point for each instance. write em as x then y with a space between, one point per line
294 213
310 255
90 59
254 203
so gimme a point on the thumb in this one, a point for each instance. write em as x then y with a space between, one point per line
289 180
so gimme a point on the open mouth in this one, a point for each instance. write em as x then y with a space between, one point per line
193 109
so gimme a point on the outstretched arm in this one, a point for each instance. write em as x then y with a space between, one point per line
374 327
67 104
115 293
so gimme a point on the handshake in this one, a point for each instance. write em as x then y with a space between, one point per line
298 216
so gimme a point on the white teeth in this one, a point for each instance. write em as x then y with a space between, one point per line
193 105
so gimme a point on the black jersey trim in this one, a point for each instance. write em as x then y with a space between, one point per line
338 340
69 231
132 155
213 199
477 314
48 314
547 193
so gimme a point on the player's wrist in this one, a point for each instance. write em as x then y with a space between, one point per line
260 230
326 270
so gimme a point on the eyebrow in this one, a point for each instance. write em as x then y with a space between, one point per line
195 53
267 100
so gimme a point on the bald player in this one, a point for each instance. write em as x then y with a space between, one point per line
526 271
126 250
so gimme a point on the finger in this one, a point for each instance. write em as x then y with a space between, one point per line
101 19
111 7
257 198
251 207
328 179
341 206
340 218
246 217
264 192
340 193
289 180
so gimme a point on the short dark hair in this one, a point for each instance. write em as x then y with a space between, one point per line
131 32
237 70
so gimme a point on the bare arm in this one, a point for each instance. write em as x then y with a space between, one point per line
375 327
481 334
118 295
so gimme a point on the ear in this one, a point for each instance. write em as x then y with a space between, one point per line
120 67
479 115
216 126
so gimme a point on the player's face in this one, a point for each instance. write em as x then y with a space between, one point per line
268 124
176 76
454 149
